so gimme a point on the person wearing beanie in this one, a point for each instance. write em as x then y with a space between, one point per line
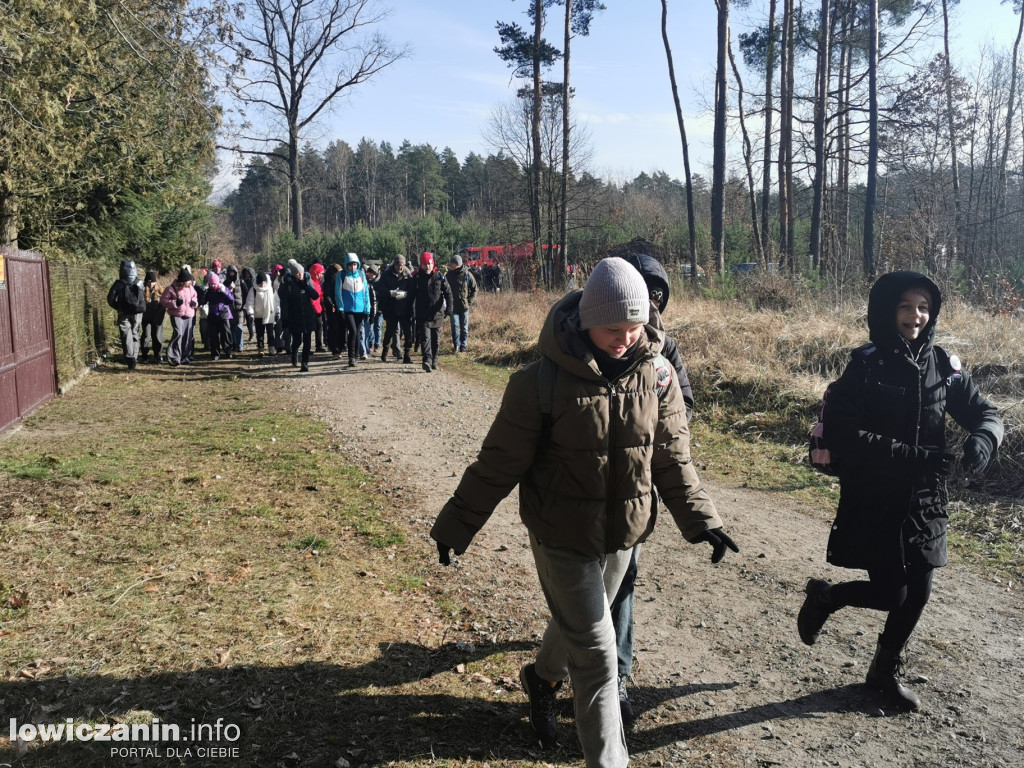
621 607
885 427
587 433
433 302
180 300
297 314
463 287
316 271
219 301
152 318
395 294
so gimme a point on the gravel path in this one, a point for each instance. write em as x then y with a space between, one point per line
722 678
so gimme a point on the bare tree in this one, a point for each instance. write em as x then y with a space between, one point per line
820 118
718 164
748 158
690 216
296 58
766 180
870 192
954 163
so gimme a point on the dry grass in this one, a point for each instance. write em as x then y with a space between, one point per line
758 377
202 552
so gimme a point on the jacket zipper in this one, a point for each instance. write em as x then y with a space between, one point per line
612 401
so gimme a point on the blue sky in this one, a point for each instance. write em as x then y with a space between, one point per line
444 93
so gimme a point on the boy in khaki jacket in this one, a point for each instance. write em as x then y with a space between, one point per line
586 471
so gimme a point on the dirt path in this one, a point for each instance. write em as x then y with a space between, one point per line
722 678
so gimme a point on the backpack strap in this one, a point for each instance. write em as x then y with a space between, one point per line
547 372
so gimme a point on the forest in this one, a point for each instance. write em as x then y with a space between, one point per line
839 152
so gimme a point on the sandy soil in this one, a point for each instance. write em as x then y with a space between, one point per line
721 676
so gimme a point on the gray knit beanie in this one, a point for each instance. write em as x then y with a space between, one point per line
456 259
614 293
294 267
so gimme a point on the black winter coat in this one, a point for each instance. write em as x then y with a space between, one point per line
887 408
390 306
297 311
433 298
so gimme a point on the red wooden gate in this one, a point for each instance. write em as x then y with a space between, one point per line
28 371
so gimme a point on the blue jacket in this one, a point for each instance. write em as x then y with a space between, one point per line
352 289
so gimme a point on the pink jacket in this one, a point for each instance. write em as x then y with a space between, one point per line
188 297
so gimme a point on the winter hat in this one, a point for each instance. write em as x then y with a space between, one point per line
187 268
456 260
277 269
184 275
398 261
150 276
216 265
427 262
213 280
371 270
294 267
262 278
614 293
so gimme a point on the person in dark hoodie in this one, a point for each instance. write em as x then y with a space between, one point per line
656 279
233 285
586 468
297 295
127 296
885 426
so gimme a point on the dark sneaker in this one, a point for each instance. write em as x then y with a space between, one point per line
542 705
426 366
304 368
814 612
625 705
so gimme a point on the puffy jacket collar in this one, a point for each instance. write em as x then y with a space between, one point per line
560 340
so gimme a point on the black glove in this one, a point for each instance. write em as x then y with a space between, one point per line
938 461
193 304
718 539
179 302
444 553
977 453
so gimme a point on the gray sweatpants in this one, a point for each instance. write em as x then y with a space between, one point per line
580 643
129 326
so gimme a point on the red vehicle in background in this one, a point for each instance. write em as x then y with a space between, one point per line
504 265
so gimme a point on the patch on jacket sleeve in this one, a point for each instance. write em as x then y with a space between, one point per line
663 374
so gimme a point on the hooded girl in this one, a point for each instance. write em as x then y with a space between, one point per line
885 425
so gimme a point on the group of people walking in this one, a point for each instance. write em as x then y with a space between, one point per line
350 309
595 436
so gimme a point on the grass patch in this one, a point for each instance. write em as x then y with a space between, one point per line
164 572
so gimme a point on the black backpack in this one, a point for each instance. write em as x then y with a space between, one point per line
132 300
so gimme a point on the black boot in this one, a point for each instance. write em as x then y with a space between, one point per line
884 677
815 611
407 358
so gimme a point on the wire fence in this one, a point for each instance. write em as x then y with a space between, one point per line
84 326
